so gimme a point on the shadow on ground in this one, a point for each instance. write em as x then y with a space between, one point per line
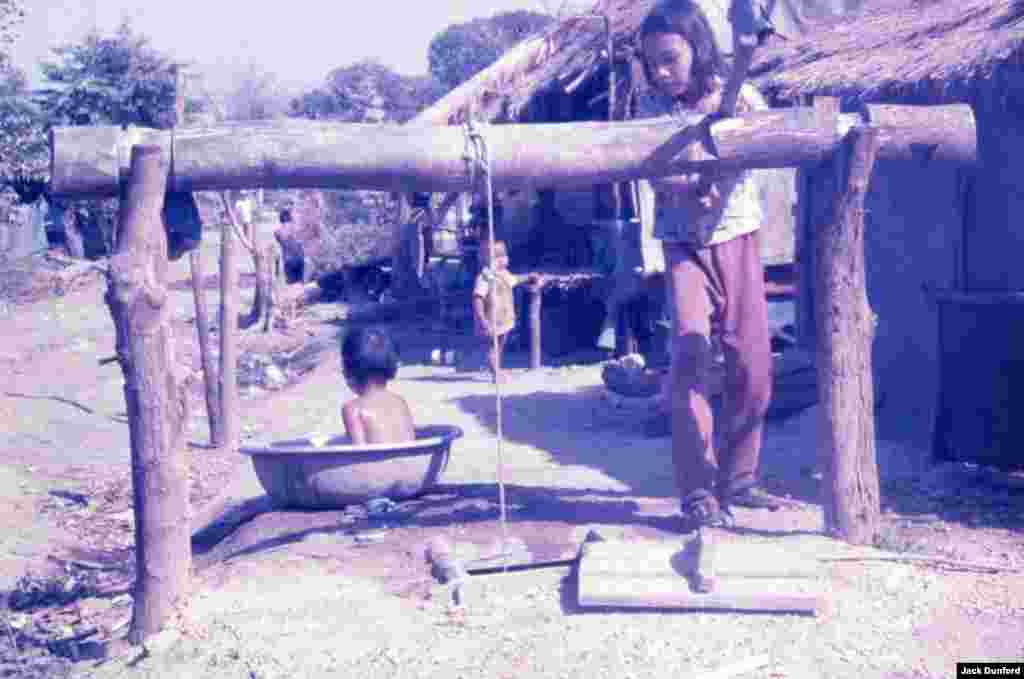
545 516
580 428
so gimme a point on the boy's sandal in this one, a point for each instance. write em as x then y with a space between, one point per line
704 513
754 498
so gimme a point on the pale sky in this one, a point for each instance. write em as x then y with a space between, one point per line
299 41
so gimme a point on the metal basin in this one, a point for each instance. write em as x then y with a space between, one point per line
298 473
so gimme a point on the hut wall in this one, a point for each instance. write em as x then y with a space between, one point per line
576 206
995 240
516 218
913 240
778 196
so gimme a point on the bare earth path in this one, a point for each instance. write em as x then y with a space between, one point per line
301 594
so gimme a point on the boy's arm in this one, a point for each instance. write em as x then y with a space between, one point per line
353 424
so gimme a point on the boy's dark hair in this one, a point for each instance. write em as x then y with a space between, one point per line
485 250
686 18
367 354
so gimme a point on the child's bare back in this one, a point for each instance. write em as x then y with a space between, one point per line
376 415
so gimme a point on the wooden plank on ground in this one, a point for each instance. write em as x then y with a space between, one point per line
748 576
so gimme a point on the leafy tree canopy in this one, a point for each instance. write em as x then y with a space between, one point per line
117 80
23 151
367 91
461 51
23 147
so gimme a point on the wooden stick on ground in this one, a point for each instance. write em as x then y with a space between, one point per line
737 668
954 564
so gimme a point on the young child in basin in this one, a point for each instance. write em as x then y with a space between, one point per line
369 360
494 310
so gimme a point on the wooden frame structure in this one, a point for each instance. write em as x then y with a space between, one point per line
88 161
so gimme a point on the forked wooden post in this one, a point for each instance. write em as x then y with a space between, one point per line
155 397
845 330
195 261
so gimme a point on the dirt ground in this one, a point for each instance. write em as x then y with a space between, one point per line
346 593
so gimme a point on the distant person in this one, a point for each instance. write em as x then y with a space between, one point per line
369 360
244 210
494 309
708 224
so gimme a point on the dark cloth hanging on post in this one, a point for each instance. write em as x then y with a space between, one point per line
183 224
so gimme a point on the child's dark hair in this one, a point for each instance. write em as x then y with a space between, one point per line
368 354
685 18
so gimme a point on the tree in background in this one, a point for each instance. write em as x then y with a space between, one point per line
367 91
106 80
461 51
24 153
117 80
11 15
561 9
255 96
23 148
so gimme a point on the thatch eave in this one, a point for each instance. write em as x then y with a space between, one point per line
567 52
905 51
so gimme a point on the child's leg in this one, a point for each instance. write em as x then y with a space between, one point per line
492 355
746 342
495 349
693 451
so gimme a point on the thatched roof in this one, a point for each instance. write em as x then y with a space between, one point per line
566 52
929 50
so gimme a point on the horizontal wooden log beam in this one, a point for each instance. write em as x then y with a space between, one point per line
92 161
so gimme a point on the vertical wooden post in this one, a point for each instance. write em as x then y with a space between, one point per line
536 292
74 241
845 329
199 296
205 353
803 225
155 397
228 332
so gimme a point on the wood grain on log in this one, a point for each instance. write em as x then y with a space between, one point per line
90 161
845 330
652 574
155 397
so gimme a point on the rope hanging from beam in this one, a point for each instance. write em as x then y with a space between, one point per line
478 166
